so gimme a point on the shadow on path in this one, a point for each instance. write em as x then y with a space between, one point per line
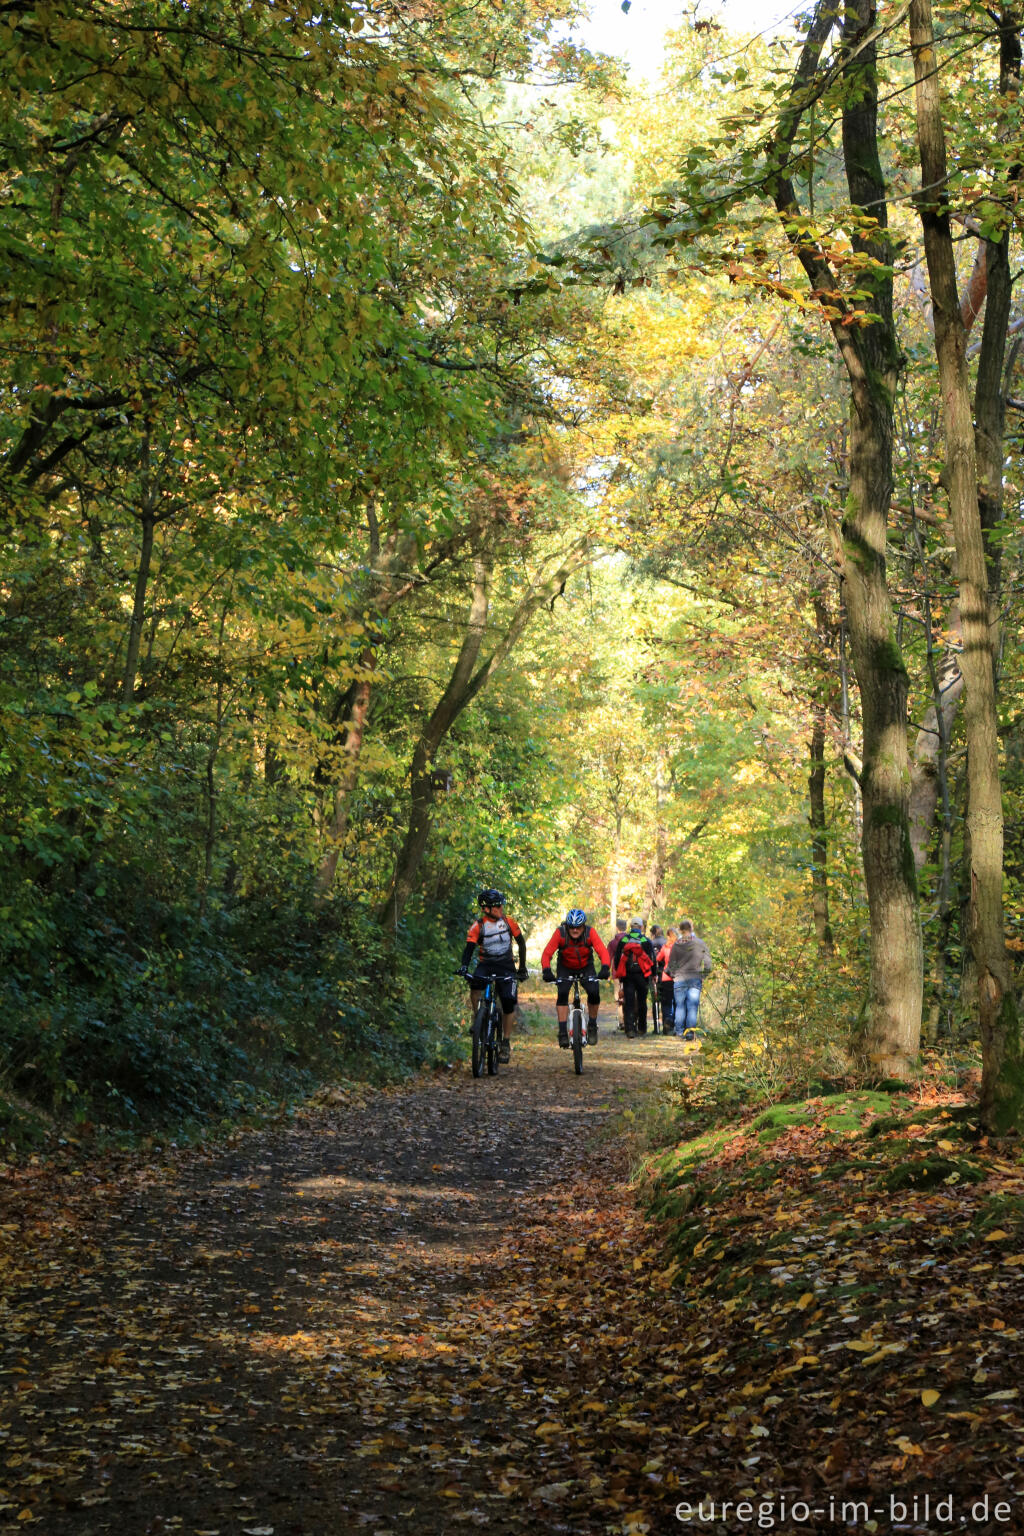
324 1328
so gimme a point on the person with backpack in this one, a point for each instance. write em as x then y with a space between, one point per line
689 961
576 943
635 967
614 944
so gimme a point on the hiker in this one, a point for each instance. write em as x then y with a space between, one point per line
666 990
689 961
635 968
614 944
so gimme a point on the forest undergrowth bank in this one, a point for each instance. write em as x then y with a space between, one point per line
171 1028
852 1267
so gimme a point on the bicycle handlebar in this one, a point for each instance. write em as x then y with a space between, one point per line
466 972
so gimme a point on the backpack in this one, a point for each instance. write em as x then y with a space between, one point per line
635 958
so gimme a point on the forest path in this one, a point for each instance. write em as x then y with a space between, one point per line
423 1311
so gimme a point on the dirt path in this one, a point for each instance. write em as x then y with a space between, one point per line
415 1314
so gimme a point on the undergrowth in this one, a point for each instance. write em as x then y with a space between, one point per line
168 1021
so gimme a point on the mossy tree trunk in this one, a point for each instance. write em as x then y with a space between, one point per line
819 832
1003 1079
871 355
1002 1097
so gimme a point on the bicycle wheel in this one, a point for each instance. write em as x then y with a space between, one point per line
479 1038
493 1042
576 1034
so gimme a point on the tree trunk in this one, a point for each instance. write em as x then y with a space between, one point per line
659 852
892 1035
989 394
447 709
872 357
894 1023
355 729
210 786
616 866
852 768
929 759
462 689
396 569
1002 1097
138 619
819 834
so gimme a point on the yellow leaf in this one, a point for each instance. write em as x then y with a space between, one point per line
880 1354
805 1301
930 1397
861 1345
998 1236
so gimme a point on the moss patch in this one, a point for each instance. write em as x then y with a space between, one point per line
1002 1210
782 1116
927 1172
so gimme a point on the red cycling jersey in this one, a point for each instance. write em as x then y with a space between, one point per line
575 954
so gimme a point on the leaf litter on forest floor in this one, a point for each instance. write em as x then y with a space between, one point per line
383 1351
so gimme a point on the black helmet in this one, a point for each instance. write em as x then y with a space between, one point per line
489 897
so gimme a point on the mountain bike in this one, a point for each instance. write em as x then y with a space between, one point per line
576 1024
486 1033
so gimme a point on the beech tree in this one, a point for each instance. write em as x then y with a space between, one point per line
1003 1069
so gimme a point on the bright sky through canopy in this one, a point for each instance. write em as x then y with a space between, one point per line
638 35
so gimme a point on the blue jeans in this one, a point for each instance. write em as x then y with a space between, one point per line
687 997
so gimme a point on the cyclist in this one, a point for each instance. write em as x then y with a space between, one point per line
635 967
575 942
490 940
